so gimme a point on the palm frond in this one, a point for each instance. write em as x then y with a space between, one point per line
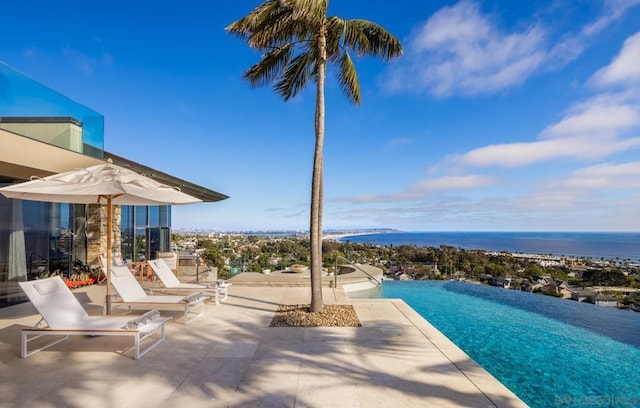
275 28
247 25
335 32
368 38
348 78
311 11
296 75
270 25
271 67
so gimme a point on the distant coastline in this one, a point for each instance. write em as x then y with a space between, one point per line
339 235
623 246
329 234
595 245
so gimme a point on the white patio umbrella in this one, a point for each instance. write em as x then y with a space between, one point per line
102 184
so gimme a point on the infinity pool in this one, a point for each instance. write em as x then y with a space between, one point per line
550 352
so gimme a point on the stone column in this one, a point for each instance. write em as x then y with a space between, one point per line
97 232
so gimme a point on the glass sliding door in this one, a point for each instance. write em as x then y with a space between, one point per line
37 239
145 231
141 240
13 265
127 230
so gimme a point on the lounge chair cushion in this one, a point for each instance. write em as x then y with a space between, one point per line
163 272
120 272
47 286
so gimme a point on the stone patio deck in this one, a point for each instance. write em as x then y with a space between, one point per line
231 358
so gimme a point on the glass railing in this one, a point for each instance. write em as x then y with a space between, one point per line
33 110
356 266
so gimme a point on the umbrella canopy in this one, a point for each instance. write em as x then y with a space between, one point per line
93 184
101 184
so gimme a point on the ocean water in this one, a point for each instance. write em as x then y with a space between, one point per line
550 352
575 244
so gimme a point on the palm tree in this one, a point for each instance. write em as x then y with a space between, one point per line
299 40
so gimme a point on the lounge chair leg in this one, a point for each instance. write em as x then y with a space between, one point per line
24 352
153 345
136 345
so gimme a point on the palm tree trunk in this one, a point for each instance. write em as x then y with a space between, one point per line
315 229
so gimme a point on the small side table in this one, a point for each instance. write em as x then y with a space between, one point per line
140 268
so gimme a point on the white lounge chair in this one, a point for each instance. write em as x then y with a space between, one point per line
172 284
65 316
133 296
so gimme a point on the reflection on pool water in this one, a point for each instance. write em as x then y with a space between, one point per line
549 351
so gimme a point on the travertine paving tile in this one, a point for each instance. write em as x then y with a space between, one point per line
230 357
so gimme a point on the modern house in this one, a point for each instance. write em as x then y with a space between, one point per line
602 299
581 294
43 132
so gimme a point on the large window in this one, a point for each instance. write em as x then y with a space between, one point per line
37 239
145 231
127 232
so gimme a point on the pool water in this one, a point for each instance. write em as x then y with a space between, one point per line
550 352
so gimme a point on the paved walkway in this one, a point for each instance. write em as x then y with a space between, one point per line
231 358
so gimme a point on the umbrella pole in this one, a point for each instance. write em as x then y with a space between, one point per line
109 262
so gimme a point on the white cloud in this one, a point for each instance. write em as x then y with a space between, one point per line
461 51
604 176
611 170
594 193
583 200
606 115
625 68
590 130
525 154
552 200
613 10
424 188
459 24
454 183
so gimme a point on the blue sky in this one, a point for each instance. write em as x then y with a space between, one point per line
502 115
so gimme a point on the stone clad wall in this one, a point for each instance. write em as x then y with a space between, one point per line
97 232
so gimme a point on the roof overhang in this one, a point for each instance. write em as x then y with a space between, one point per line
187 187
22 158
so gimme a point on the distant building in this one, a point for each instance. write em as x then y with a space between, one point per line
604 300
581 294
